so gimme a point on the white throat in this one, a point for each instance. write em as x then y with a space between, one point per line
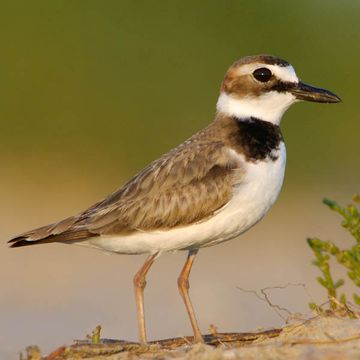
268 107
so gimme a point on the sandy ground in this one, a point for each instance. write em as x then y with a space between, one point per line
318 338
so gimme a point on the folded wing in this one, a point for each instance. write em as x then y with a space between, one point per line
185 186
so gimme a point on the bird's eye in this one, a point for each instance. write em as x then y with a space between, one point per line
262 74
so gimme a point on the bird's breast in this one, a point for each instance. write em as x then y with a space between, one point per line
254 193
261 183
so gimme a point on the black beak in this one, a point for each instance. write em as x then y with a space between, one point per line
309 93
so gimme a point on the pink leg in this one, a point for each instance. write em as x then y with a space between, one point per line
139 286
183 284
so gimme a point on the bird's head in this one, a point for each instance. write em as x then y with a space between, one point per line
264 87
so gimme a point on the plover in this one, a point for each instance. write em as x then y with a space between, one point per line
211 188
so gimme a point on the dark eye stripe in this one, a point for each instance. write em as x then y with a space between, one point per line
262 74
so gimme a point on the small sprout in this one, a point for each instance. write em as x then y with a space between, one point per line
213 330
313 306
33 353
95 336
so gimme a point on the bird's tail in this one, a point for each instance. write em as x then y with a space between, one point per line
62 231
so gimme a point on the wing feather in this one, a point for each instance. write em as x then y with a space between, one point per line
179 190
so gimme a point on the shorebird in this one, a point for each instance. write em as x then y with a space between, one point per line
211 188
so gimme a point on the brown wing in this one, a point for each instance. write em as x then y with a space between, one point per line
185 186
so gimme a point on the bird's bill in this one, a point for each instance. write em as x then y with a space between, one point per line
309 93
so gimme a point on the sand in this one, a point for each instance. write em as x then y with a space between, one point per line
322 337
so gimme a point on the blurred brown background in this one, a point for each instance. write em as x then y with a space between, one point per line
92 91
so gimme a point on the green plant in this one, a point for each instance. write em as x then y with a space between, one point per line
349 258
95 337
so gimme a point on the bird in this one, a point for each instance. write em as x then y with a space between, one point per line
211 188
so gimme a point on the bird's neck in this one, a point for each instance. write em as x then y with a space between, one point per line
269 107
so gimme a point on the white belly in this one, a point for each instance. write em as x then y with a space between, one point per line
253 197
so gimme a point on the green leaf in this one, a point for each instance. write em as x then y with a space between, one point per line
356 299
356 198
339 283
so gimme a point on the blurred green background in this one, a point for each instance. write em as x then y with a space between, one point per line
91 91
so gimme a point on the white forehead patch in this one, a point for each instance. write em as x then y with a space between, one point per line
283 73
